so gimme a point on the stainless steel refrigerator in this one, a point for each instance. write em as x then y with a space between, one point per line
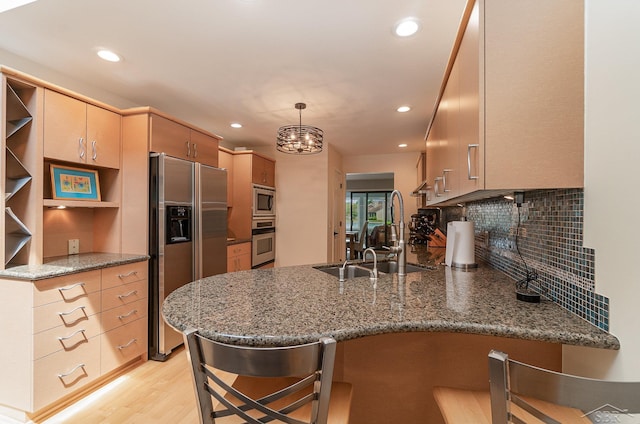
187 236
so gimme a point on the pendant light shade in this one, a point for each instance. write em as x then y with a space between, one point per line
300 139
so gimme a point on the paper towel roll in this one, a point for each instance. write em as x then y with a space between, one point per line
460 244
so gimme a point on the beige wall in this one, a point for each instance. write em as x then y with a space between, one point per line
301 207
612 152
403 166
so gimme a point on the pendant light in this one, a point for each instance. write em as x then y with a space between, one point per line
300 139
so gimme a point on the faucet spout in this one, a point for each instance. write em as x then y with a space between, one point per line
374 271
399 247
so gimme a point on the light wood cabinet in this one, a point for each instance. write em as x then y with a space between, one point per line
79 132
248 167
181 141
517 78
225 160
263 171
20 172
238 257
69 331
33 226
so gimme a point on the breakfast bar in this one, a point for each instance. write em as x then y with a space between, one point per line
398 337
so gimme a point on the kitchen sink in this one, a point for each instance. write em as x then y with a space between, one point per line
362 269
391 267
350 271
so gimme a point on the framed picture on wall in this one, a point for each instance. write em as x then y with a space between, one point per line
74 183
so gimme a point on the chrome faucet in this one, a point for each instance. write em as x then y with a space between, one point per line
399 245
374 271
342 269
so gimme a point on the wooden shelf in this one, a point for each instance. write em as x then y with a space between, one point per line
79 204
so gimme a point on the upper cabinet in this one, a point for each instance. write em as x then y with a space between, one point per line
263 171
181 141
79 132
511 112
225 160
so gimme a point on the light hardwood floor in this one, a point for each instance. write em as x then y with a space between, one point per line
151 393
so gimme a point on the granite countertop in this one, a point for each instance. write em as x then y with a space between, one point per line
63 265
299 304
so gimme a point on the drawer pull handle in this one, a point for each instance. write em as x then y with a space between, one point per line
72 371
127 315
81 148
62 289
64 314
128 274
469 175
132 341
131 293
95 150
62 339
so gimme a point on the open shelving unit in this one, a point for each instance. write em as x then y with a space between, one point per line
18 133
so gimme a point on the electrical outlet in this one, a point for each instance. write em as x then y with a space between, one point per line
74 246
522 232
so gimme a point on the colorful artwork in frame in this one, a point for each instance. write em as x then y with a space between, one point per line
74 183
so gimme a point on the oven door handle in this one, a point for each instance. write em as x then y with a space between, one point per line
263 231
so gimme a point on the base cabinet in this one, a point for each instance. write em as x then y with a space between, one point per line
239 257
69 331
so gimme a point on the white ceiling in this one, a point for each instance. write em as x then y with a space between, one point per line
214 62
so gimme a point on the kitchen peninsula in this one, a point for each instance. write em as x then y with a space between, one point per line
397 338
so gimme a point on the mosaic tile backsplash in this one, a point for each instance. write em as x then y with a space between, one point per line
549 241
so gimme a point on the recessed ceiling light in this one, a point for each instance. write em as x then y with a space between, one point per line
236 125
407 27
108 55
402 145
403 109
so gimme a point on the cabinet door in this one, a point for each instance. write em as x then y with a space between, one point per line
103 137
270 173
244 262
65 120
225 160
170 137
450 170
262 171
204 148
435 155
470 163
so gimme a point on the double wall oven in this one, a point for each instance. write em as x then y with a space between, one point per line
263 226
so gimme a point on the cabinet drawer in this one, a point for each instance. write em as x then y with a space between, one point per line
123 294
239 249
124 314
123 344
123 274
67 338
63 372
68 287
65 313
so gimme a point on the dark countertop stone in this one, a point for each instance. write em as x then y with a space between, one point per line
298 304
63 265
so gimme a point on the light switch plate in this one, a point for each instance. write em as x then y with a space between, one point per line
74 246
